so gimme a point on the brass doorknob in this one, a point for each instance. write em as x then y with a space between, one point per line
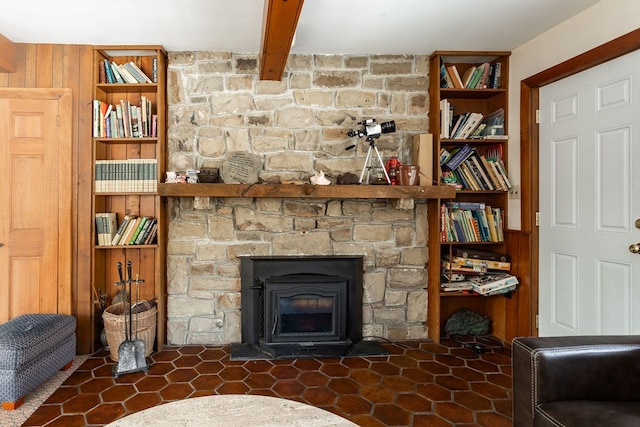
635 248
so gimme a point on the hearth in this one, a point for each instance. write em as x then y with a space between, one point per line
302 307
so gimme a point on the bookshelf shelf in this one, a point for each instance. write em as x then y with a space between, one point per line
458 101
148 140
125 247
127 87
135 157
472 93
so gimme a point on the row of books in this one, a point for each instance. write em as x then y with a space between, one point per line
483 76
128 72
465 168
126 176
132 230
470 125
124 120
470 222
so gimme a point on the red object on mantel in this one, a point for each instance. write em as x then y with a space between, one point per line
392 169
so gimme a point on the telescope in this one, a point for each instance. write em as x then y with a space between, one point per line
372 129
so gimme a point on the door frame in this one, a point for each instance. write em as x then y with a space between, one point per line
530 143
65 187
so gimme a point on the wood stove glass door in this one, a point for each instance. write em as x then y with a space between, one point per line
306 312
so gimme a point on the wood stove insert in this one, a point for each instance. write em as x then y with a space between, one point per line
308 306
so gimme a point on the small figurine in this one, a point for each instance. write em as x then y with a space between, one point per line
319 179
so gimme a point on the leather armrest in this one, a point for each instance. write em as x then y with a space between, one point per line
549 369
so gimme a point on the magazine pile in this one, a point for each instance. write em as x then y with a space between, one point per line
465 272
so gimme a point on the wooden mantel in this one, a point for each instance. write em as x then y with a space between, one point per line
307 191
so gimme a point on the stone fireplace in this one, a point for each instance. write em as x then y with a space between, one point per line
298 126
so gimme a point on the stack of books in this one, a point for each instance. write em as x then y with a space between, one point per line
484 272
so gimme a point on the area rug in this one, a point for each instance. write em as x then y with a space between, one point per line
36 397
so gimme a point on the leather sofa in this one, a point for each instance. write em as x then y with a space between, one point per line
576 381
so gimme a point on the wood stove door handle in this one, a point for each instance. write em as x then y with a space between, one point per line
275 325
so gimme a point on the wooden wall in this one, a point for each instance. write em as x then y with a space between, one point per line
68 66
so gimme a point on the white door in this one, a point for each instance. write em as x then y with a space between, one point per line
589 281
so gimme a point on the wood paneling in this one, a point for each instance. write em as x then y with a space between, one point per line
7 54
67 66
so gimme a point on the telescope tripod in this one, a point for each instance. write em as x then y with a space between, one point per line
368 166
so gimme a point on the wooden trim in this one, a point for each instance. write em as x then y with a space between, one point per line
530 143
7 55
278 30
65 192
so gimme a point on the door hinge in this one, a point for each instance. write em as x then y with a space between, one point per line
538 117
537 219
537 321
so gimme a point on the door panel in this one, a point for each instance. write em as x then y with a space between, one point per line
589 164
35 229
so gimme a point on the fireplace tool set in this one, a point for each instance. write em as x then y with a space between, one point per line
131 352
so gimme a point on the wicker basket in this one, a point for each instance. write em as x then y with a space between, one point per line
114 321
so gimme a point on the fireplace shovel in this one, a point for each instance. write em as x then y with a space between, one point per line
127 360
141 361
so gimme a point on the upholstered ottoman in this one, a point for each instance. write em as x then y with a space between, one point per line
32 348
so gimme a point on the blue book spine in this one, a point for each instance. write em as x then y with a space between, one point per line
459 157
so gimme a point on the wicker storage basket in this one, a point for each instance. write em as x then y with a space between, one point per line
114 321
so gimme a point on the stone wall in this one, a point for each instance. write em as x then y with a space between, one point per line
297 127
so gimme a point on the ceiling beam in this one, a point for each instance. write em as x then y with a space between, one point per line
7 55
278 29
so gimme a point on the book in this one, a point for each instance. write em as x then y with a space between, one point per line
139 228
121 228
491 284
458 157
456 286
469 126
126 236
140 73
133 70
452 267
452 70
106 227
116 73
145 231
472 262
102 74
126 75
154 70
152 234
444 119
466 77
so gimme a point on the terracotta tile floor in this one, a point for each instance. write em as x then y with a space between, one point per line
417 384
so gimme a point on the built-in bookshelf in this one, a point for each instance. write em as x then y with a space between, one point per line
468 102
129 143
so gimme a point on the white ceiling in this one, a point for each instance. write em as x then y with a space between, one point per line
325 26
